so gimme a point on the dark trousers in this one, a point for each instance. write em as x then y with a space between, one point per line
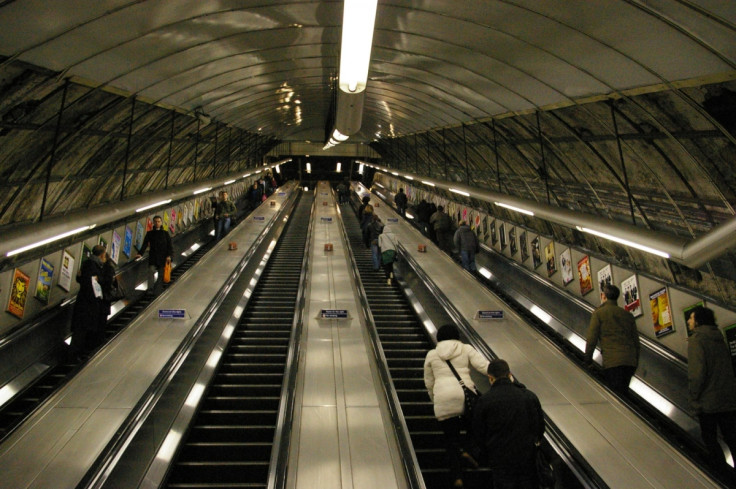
453 444
709 424
618 378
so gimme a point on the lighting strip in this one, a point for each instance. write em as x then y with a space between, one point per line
428 183
517 209
359 17
202 190
163 202
49 240
456 191
624 242
229 182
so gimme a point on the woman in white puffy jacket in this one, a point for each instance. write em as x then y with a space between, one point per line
446 393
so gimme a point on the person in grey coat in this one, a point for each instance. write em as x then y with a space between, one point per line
467 242
712 386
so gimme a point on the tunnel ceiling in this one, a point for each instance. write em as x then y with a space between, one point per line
620 108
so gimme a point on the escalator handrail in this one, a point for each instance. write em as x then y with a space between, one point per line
277 473
97 475
408 456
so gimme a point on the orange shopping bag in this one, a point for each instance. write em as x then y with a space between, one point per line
167 273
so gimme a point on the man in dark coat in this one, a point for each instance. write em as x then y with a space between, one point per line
616 330
441 222
712 386
89 316
160 256
401 201
423 215
508 422
467 242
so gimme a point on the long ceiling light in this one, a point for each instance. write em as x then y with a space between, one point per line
360 169
309 167
202 190
626 242
151 206
359 17
48 240
339 167
456 191
517 209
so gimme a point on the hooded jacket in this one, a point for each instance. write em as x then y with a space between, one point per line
711 381
465 239
443 387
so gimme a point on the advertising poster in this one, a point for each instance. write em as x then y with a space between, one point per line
536 253
149 224
586 279
502 236
196 210
512 241
128 243
494 237
630 291
139 235
549 258
661 312
67 269
522 245
465 215
486 231
86 253
43 284
172 222
478 228
102 241
115 246
18 293
686 314
166 219
730 333
605 277
566 267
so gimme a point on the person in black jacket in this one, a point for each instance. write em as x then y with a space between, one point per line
509 422
89 316
160 256
401 201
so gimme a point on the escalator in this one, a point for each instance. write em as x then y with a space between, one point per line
405 345
230 440
14 412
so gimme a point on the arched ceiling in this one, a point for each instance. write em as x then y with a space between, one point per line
266 65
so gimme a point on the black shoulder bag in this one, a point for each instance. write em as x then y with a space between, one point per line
471 396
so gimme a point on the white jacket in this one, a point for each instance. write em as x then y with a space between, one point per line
442 385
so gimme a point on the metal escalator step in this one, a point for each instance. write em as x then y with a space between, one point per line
206 451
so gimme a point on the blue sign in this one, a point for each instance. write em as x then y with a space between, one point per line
259 218
334 314
326 219
490 314
281 194
172 313
393 219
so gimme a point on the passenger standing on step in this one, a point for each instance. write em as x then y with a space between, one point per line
442 225
509 423
160 256
712 387
387 245
401 201
375 228
224 213
423 214
467 242
88 317
446 393
616 330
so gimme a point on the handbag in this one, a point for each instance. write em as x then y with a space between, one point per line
116 292
545 471
471 396
167 273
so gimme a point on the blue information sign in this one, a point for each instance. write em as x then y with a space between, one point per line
490 314
281 194
334 313
393 219
259 218
172 313
326 219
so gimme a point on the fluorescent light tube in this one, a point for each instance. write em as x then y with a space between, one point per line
428 183
454 190
359 17
360 169
394 173
278 168
163 202
517 209
202 190
408 177
624 242
339 167
380 185
338 136
229 182
48 240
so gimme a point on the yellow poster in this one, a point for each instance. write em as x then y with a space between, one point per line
18 293
659 302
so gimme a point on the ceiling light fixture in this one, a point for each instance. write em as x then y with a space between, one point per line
622 241
202 190
456 191
428 183
517 209
48 240
151 206
359 17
